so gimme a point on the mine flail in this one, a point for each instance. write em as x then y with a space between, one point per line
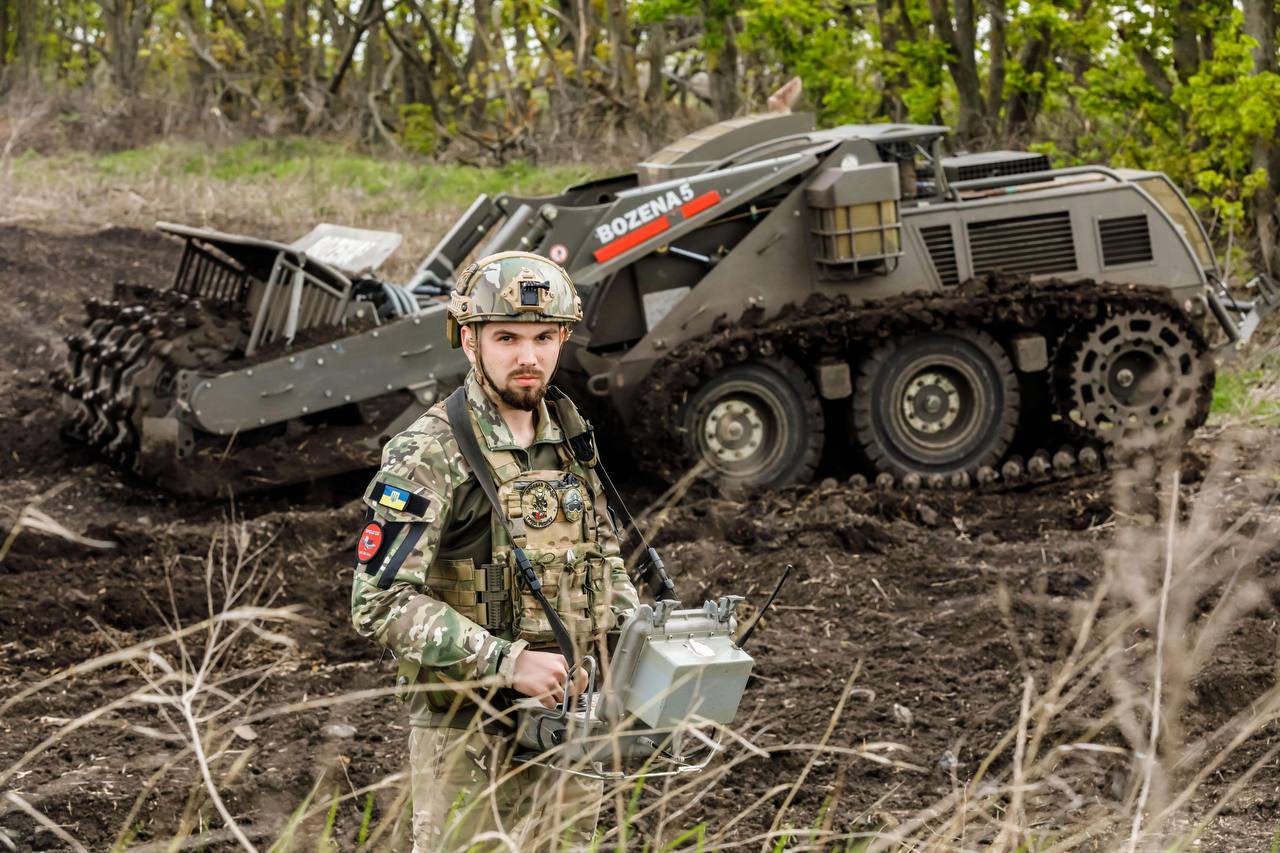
760 298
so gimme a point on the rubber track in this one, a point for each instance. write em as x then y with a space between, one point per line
825 327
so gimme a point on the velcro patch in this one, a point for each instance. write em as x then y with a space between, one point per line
370 542
402 500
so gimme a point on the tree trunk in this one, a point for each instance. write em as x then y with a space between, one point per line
26 48
722 58
622 50
1260 24
4 38
655 92
1186 40
1023 107
997 9
961 39
290 59
891 105
364 20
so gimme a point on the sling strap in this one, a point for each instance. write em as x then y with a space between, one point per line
581 439
460 422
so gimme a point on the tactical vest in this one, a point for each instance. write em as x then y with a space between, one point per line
551 515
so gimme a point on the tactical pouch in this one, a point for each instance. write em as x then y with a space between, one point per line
482 595
594 570
565 585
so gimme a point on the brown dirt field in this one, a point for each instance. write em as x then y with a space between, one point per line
943 602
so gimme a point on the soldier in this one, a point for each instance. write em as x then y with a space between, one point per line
435 582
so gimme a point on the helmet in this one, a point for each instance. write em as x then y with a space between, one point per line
518 287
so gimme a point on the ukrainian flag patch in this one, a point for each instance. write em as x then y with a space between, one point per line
393 498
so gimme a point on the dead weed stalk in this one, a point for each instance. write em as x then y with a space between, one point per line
1099 757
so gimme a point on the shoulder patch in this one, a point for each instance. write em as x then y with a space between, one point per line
370 541
400 499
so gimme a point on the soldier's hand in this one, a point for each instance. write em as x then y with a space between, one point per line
542 675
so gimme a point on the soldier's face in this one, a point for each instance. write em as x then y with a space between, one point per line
517 359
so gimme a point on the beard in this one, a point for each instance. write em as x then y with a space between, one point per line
526 399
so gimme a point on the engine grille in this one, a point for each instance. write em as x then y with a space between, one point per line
994 164
1125 240
942 251
1028 244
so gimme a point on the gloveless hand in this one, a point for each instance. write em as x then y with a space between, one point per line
542 675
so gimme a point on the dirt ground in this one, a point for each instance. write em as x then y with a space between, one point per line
945 604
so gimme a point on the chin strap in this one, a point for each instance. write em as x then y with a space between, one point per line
463 432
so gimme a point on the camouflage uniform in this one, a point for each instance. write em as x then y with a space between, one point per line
433 588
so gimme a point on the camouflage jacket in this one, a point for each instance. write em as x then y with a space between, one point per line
432 489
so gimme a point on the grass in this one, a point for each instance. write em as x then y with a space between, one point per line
329 164
276 188
1249 392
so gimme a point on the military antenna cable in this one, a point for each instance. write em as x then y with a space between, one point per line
655 571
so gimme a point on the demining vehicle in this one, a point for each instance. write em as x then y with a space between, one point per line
757 294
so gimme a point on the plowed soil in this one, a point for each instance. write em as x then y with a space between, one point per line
941 606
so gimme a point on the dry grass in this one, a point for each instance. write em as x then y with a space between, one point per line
270 188
1106 717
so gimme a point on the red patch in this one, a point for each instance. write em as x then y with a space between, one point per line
699 204
370 539
630 241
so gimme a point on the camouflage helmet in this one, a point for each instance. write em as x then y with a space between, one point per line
517 287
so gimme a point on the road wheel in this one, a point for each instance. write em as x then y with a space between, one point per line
936 403
758 423
1136 379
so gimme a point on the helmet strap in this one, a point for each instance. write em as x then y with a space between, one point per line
480 371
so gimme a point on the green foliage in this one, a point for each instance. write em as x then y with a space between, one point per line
366 819
1229 108
633 806
1252 393
827 44
1168 86
697 837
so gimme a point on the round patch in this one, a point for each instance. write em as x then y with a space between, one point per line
558 253
572 503
539 505
370 539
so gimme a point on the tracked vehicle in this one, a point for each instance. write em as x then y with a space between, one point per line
756 294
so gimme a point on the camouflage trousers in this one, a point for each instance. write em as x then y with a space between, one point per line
468 795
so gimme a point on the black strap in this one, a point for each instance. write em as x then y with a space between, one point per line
578 433
460 422
392 568
581 440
